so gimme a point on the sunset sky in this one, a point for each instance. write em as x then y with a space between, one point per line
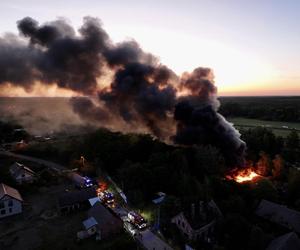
252 46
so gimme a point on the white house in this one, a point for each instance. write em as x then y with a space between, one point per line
10 201
21 173
198 223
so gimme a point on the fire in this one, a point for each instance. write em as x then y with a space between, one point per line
102 186
244 175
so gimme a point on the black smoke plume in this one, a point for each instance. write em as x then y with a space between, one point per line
142 94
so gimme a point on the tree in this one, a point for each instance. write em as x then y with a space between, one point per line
294 184
258 240
292 140
264 189
264 164
278 166
208 160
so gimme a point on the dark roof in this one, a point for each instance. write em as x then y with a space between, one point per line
16 169
279 214
203 214
7 190
78 196
103 216
289 241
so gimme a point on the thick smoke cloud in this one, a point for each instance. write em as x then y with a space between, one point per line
54 55
142 94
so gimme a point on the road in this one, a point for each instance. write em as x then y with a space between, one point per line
49 164
146 238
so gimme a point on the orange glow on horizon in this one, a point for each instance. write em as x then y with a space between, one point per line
37 90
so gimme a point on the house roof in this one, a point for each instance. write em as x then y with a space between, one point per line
279 214
16 168
289 241
78 196
94 200
12 192
103 216
90 222
200 214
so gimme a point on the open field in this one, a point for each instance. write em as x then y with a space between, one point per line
279 128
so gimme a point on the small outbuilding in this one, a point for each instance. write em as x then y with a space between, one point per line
10 201
21 174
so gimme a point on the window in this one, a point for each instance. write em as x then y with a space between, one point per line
2 204
3 211
10 203
10 210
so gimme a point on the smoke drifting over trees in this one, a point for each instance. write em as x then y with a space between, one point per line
142 95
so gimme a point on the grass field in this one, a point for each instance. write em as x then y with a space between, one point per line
279 128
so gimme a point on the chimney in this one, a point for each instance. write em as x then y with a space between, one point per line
193 210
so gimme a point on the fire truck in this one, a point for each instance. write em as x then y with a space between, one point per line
107 198
81 181
137 220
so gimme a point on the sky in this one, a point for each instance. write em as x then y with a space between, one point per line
252 46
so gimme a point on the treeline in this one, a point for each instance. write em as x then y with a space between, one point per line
265 108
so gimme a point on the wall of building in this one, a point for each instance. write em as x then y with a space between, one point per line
9 206
24 177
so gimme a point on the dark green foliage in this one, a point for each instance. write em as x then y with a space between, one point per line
264 108
12 132
236 230
261 139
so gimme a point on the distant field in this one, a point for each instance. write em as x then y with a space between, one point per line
279 128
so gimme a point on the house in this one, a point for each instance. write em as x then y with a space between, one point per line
21 174
10 201
76 200
279 214
107 222
289 241
198 222
90 225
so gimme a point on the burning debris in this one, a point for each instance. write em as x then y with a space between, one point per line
127 89
243 175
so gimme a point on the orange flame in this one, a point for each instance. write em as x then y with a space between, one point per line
102 186
244 175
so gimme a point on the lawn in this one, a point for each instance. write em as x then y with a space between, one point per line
279 128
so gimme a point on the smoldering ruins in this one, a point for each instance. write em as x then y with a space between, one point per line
124 88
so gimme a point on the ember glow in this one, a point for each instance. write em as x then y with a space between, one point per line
244 175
